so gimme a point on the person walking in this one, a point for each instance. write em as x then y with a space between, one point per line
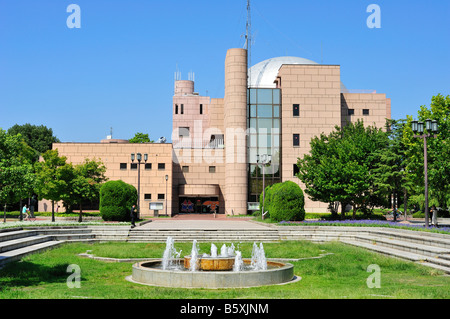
133 215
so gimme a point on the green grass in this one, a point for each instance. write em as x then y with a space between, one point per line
342 274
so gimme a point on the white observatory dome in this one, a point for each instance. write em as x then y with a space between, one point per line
263 74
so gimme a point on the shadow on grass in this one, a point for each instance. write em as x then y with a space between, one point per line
25 274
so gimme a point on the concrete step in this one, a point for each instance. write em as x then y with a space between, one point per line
22 242
425 260
421 249
16 234
19 253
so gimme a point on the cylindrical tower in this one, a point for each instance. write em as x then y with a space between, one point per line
235 122
184 87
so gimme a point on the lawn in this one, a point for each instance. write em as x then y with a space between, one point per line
340 273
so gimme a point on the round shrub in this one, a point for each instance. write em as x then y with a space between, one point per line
269 192
286 202
116 199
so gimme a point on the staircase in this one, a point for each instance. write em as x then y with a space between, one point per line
204 235
430 249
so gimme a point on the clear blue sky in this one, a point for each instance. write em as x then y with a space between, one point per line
117 70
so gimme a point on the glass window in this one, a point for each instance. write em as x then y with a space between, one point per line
123 165
296 110
264 110
296 141
253 140
161 166
185 169
252 154
252 96
264 126
264 96
276 141
252 110
253 124
133 166
276 111
276 97
351 111
147 196
265 140
366 112
148 166
161 196
212 169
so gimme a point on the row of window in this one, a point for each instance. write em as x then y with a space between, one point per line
149 196
296 111
185 169
148 166
180 109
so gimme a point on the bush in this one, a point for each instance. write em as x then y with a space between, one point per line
284 201
116 199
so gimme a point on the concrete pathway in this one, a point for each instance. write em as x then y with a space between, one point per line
206 222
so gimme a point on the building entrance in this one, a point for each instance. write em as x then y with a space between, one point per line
199 205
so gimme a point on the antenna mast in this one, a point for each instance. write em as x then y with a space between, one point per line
248 39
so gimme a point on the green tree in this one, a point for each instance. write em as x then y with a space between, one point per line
390 166
141 138
438 153
339 166
84 182
40 138
16 171
53 177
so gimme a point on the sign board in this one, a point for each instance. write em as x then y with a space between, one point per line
253 206
156 206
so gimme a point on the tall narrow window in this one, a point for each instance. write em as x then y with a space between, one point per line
296 141
296 110
201 108
182 109
295 169
176 108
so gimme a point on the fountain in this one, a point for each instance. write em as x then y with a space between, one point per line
225 270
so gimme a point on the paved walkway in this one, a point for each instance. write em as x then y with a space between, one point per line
202 222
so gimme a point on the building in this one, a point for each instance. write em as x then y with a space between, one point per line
268 115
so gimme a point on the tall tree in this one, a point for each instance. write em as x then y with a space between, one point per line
438 152
16 171
53 177
40 138
85 186
339 166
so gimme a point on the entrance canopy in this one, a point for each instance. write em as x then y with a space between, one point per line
192 190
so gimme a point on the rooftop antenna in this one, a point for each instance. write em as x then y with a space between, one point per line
248 39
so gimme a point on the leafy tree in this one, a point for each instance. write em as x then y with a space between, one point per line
40 138
339 166
53 177
390 166
16 171
83 183
438 153
141 138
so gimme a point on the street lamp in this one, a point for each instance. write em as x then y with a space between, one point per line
166 177
139 159
432 129
264 159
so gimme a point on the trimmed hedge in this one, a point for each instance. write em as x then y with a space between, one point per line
116 199
284 201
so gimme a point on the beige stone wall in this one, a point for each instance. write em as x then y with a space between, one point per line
112 155
378 105
235 123
316 88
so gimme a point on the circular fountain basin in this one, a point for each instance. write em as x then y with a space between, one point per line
151 273
211 263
